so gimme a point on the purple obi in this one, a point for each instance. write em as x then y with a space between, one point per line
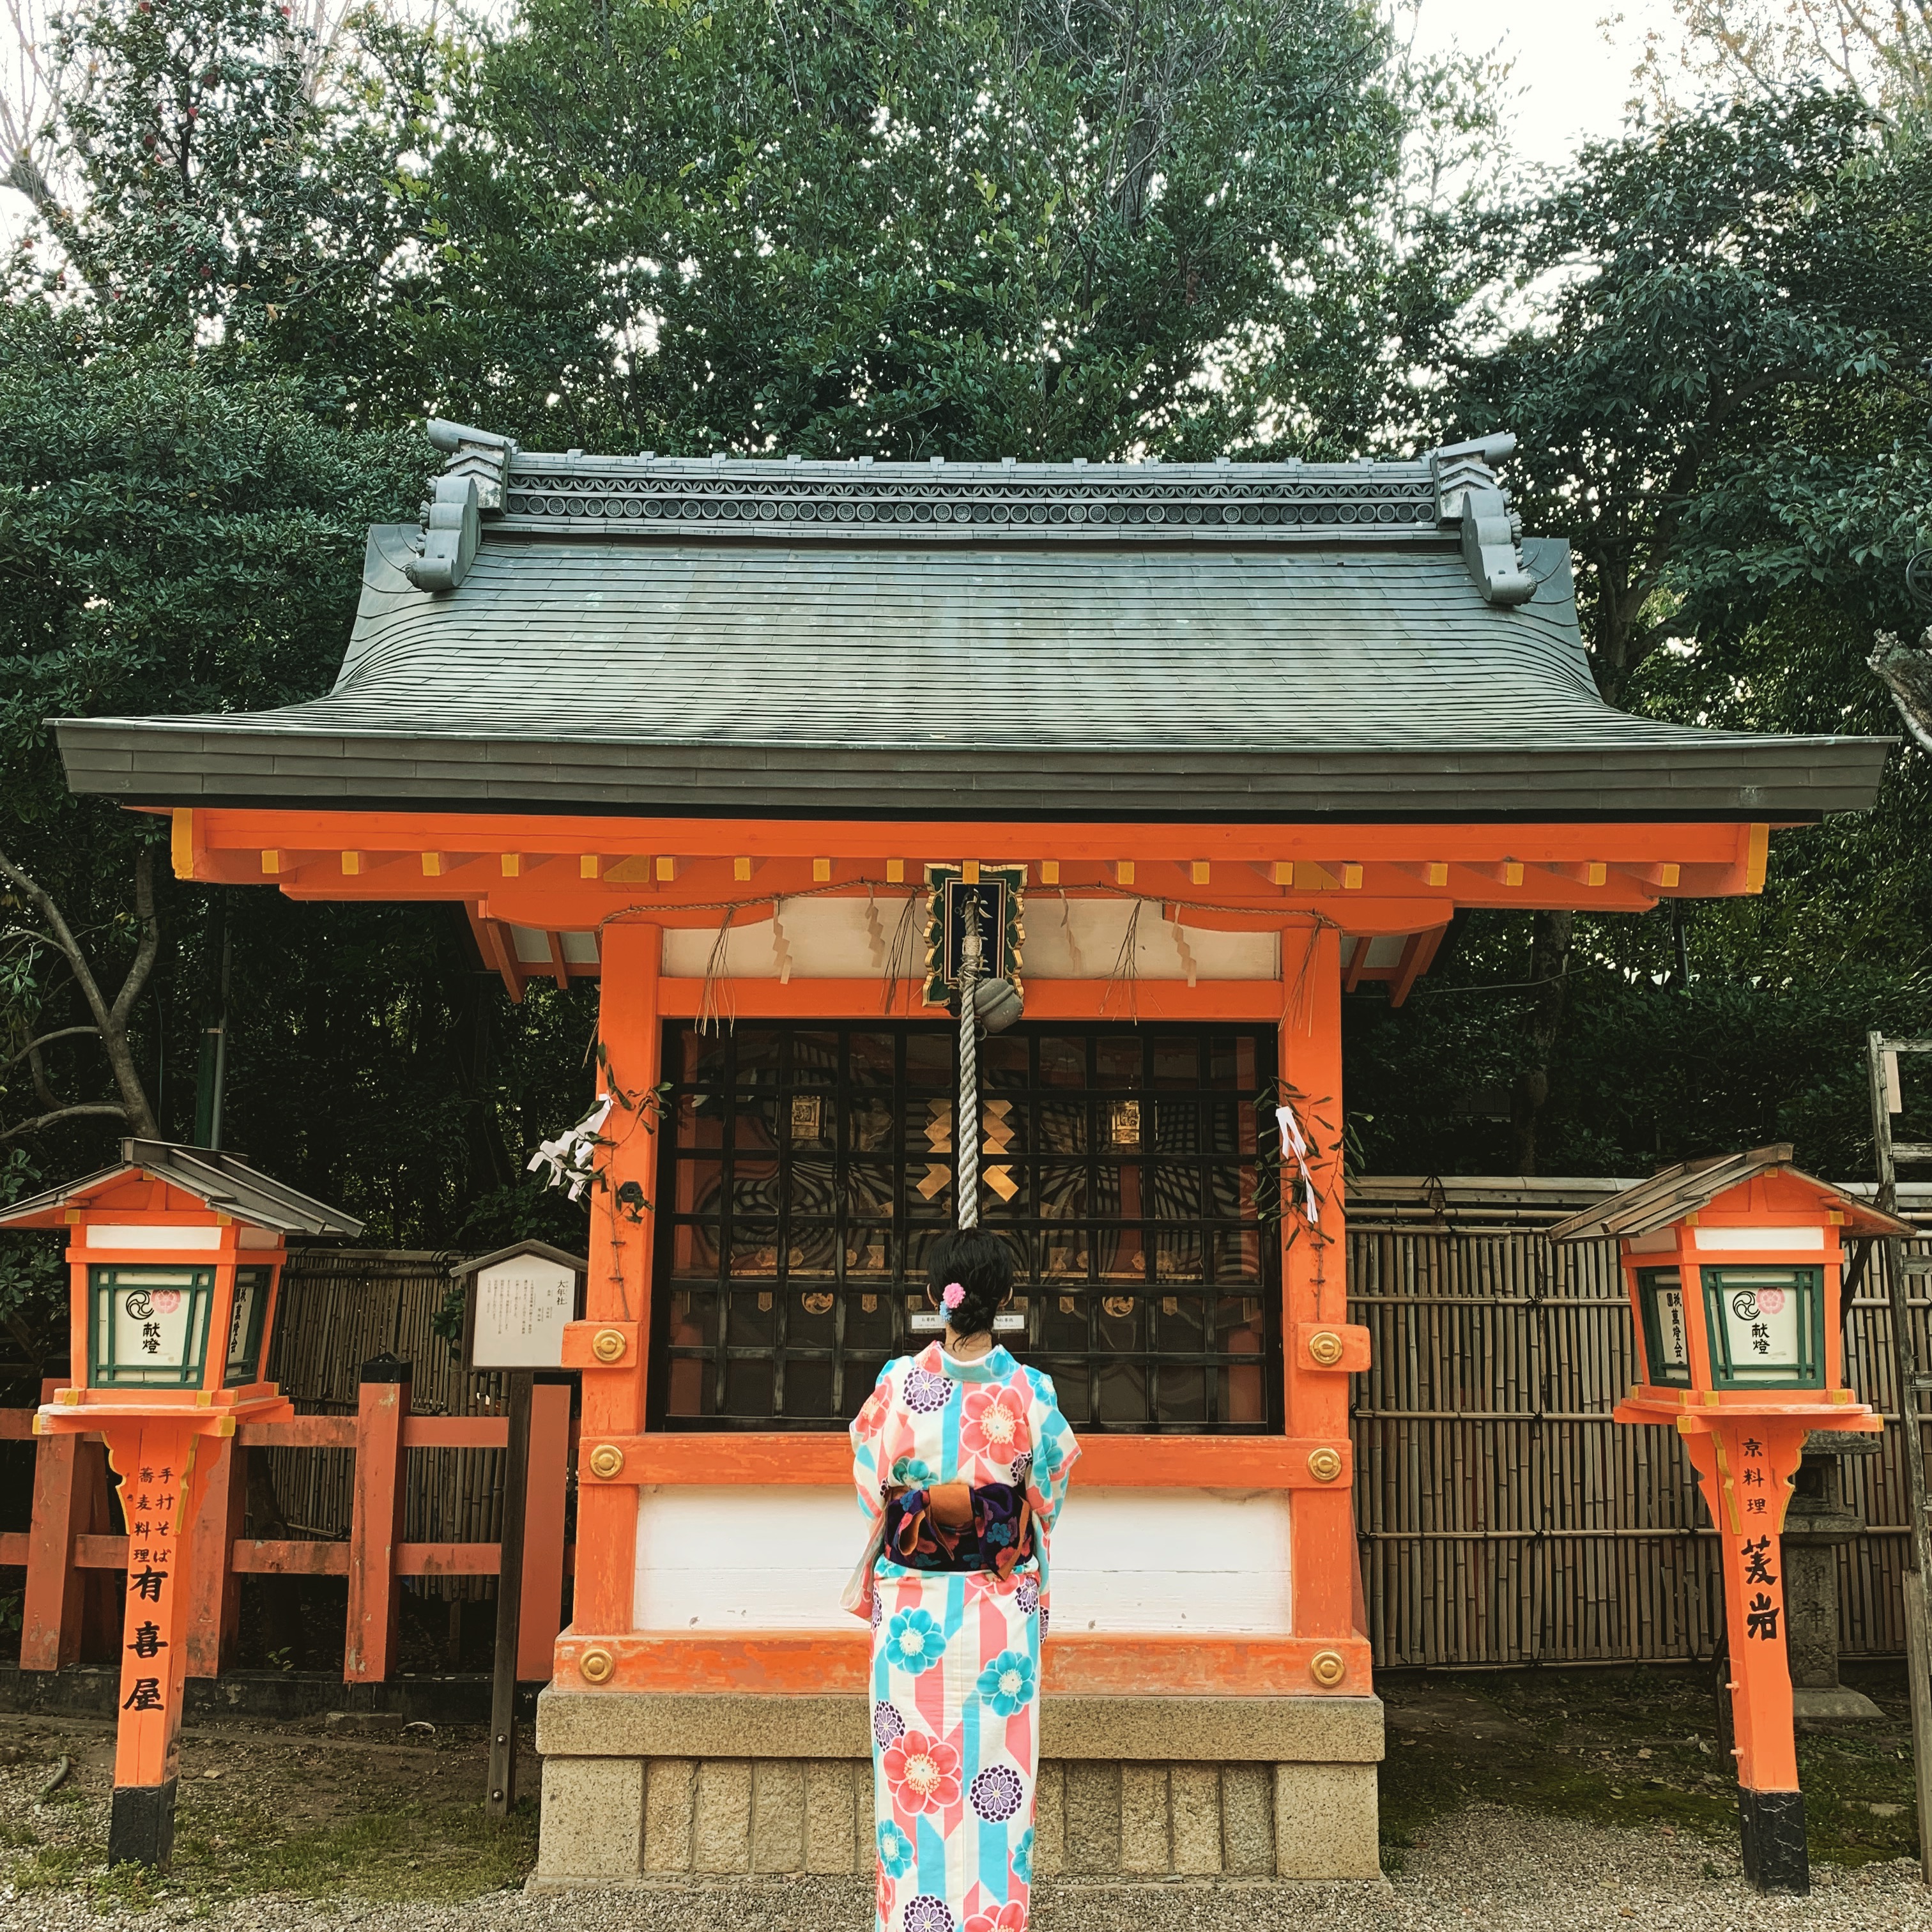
999 1535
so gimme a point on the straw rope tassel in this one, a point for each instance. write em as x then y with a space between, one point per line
970 957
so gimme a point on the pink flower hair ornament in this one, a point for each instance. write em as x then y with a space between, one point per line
954 1295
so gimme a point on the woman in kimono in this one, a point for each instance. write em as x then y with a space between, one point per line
961 1458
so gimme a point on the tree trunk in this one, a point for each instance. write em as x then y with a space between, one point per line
1549 950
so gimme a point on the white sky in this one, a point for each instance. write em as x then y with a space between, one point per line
1572 60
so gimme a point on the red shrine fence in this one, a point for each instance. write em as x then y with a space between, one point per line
1503 1518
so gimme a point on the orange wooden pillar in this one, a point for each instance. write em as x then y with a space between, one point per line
69 1499
610 1344
1745 1468
1319 1349
163 1468
376 1508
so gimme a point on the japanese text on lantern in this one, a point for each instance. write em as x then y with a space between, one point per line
150 1563
1757 1553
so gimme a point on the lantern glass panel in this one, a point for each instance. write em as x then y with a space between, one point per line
149 1326
1767 1327
244 1325
1666 1330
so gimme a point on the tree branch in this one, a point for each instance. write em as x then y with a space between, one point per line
110 1019
40 1120
33 1046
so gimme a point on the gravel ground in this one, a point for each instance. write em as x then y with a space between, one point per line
1486 1867
1572 1802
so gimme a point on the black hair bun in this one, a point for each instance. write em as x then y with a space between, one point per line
982 1264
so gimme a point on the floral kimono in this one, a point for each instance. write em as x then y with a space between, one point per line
956 1651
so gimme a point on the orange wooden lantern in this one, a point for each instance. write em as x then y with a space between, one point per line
175 1257
1735 1269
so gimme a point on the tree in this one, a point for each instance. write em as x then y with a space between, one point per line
1033 227
1718 387
1880 50
1709 339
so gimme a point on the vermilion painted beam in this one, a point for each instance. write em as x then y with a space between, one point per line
1075 1663
253 1558
618 1291
1314 1288
304 1431
541 838
1045 1000
541 1615
214 1612
375 1531
1107 1462
456 1432
448 1559
70 1494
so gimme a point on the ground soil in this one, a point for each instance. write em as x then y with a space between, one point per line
282 1826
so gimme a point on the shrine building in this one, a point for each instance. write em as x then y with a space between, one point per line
1231 739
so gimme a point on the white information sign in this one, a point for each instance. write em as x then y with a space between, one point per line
520 1308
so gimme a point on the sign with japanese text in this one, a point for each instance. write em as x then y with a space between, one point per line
1765 1326
519 1310
150 1325
1666 1329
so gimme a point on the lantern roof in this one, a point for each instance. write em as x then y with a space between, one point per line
225 1184
769 637
541 1249
1672 1193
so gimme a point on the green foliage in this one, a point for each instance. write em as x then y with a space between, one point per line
1719 387
246 186
960 227
1710 340
175 535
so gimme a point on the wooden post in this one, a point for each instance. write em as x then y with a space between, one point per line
1918 1579
50 1618
162 1467
376 1519
215 1610
1745 1468
1315 1288
546 1494
618 1291
500 1792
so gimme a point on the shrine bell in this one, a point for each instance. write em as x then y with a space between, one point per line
1735 1268
175 1256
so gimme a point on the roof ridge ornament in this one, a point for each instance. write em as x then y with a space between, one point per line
452 524
1468 493
478 453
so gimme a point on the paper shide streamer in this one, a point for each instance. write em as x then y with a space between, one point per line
566 1162
1294 1147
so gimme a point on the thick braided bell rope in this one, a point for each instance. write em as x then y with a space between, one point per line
968 1117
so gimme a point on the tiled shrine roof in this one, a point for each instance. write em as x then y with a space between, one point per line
768 637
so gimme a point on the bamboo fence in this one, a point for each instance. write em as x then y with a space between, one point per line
339 1308
1505 1519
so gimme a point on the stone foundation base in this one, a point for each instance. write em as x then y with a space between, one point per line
1821 1709
1256 1813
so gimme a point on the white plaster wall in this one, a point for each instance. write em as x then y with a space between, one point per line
1071 939
1211 1561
